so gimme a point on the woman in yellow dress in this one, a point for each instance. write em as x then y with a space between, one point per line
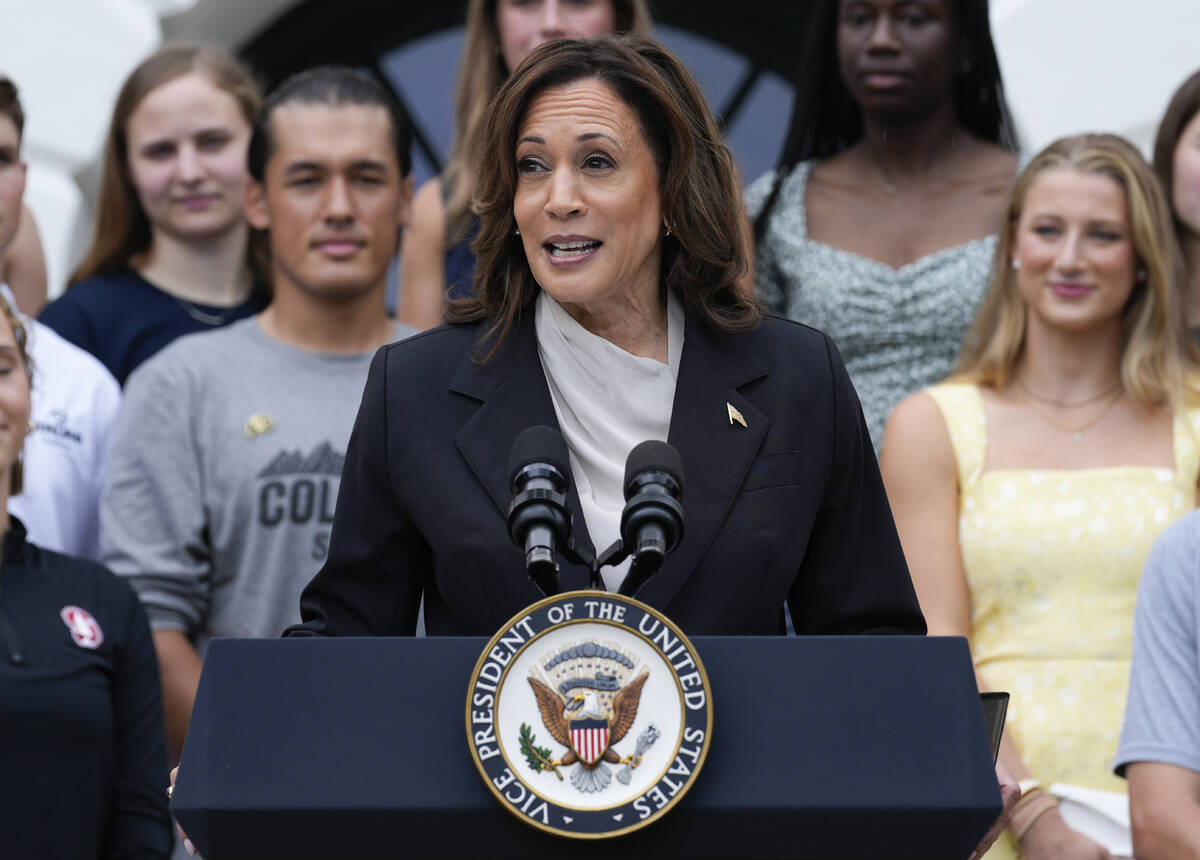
1029 487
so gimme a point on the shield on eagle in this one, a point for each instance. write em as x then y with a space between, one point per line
589 737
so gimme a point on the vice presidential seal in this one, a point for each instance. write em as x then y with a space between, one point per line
589 715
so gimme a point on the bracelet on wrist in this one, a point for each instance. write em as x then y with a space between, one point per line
1028 798
1029 784
1032 814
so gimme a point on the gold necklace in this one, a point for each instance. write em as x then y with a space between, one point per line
1065 404
1076 430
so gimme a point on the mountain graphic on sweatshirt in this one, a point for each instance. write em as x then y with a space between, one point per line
322 460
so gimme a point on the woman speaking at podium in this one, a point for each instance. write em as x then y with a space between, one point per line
606 306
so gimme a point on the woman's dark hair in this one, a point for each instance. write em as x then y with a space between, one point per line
10 104
480 74
1184 105
704 255
826 120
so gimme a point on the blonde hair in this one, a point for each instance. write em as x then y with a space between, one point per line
1159 362
479 78
122 229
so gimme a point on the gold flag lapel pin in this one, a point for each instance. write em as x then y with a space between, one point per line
735 417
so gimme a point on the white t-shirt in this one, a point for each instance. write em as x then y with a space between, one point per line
75 403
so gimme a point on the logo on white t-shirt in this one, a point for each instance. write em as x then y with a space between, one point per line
84 629
59 429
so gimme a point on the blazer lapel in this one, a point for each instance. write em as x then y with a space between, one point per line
514 395
716 449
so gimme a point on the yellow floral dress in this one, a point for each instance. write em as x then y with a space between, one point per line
1052 558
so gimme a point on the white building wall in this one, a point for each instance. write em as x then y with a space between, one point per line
1094 65
68 58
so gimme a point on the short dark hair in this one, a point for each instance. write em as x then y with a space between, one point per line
335 86
10 104
1184 105
705 254
826 120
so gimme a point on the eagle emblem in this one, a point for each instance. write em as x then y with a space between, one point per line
621 703
588 706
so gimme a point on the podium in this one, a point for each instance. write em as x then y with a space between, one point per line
822 747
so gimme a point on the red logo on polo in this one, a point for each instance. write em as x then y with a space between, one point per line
84 629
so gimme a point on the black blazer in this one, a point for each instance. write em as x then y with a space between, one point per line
790 507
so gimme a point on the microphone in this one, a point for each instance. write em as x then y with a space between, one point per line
539 520
652 522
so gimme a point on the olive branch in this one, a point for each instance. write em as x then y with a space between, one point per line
538 757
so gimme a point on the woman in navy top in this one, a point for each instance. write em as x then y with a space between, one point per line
172 251
81 737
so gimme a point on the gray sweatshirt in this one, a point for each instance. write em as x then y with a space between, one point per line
223 477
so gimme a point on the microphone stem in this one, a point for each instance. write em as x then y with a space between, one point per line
544 574
637 576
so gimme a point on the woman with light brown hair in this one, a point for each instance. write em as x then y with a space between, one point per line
438 262
1177 163
171 253
1028 488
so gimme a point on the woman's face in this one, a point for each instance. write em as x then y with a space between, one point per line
1074 246
1186 194
14 398
897 56
587 199
187 144
525 24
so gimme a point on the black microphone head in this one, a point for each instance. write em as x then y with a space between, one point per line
653 456
540 444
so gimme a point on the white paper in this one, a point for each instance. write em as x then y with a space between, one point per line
1102 816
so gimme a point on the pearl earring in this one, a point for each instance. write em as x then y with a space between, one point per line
1016 264
517 231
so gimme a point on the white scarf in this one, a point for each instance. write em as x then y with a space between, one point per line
606 401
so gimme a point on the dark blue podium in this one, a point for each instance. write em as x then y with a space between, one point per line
823 747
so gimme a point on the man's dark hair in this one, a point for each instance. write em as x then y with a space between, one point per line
335 86
10 104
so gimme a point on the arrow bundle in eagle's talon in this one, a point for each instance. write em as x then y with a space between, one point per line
644 742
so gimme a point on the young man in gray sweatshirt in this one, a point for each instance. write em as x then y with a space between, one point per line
228 452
